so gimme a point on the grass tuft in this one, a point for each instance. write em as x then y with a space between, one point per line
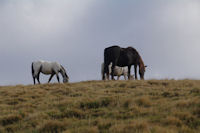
10 119
53 126
143 101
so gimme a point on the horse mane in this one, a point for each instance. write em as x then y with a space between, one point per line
63 68
141 63
64 71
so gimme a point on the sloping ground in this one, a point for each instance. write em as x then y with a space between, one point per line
163 106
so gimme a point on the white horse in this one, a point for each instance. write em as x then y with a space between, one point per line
48 68
118 71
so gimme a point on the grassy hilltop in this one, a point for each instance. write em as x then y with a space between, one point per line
152 106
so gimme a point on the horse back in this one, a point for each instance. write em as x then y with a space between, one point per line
130 56
111 54
46 67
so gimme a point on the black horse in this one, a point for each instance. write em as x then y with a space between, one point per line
123 57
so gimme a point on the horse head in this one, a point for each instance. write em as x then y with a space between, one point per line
141 68
64 74
65 80
142 71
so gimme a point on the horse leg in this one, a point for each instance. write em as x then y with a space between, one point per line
112 70
34 80
106 71
38 77
135 66
34 76
58 77
107 76
125 77
103 76
112 73
124 74
102 71
51 77
129 72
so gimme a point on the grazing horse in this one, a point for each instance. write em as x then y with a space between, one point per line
48 68
123 57
118 71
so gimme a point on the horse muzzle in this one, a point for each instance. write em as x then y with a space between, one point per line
65 80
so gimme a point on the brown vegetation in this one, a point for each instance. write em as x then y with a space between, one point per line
152 106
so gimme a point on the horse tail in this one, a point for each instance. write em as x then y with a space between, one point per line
106 61
32 69
102 70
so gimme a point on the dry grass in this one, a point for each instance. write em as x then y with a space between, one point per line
152 106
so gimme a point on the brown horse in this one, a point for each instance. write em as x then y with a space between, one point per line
123 57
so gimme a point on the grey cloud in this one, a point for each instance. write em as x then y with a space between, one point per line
74 33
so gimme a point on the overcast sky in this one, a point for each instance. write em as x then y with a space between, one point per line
74 33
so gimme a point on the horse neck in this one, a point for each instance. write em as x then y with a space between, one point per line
62 71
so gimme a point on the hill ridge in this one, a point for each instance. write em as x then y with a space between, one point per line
102 106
